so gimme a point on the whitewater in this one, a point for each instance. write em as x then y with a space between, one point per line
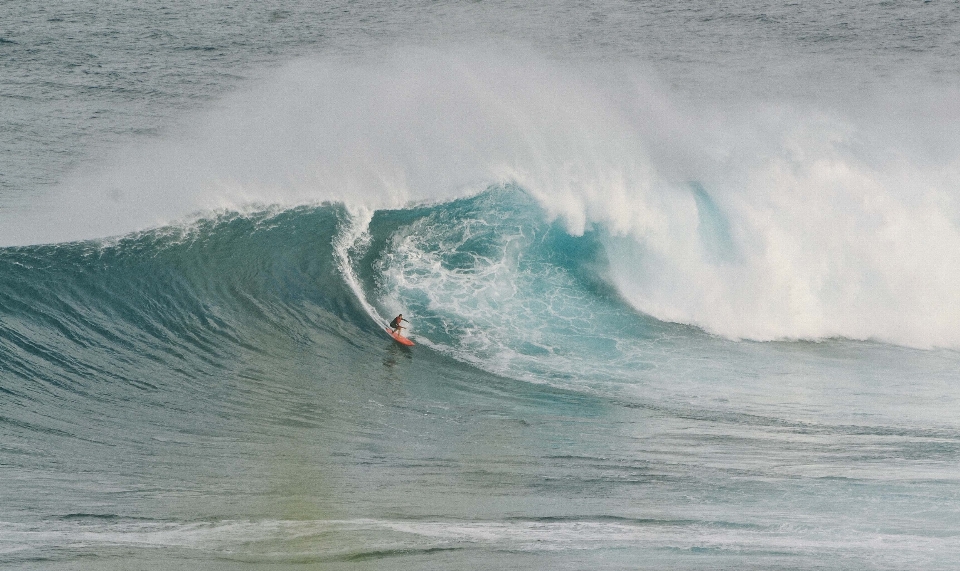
681 278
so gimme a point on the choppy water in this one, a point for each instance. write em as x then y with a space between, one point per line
682 280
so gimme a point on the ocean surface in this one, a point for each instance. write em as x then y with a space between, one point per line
683 279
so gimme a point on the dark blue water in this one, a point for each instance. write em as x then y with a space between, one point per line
681 278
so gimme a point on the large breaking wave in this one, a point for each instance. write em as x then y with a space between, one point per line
757 220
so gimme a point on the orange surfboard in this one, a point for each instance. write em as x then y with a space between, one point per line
400 338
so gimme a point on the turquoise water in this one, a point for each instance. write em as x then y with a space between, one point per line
681 281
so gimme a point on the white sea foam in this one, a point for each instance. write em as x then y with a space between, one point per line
332 539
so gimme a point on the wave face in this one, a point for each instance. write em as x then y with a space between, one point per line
159 295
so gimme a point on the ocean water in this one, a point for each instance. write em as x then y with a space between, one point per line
682 279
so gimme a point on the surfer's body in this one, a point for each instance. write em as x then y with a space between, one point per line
395 328
395 324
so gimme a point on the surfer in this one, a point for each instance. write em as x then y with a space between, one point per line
395 324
